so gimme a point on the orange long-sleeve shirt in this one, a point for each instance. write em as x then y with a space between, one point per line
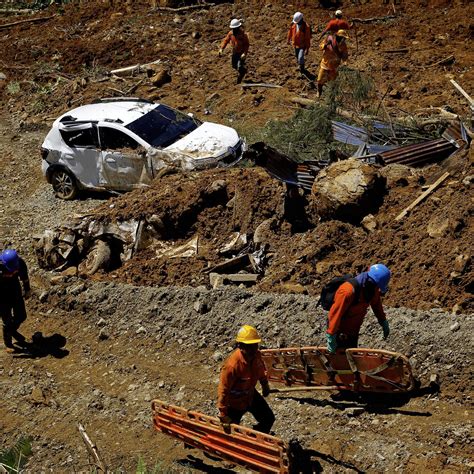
238 380
300 37
347 317
240 42
336 24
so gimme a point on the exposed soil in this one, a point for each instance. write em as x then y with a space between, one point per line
130 338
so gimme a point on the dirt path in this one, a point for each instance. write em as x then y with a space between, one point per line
121 357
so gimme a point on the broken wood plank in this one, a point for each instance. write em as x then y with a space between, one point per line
183 9
260 84
30 20
129 70
241 277
302 101
421 197
374 19
462 91
236 262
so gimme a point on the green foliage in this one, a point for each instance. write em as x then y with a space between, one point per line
142 468
351 90
308 134
15 458
13 88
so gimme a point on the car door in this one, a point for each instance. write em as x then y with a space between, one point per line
124 161
81 156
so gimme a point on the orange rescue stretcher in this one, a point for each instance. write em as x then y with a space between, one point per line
358 370
243 446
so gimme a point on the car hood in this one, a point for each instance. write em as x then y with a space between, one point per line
209 140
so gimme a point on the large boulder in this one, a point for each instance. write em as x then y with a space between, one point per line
348 190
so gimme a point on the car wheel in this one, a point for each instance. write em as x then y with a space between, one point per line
64 184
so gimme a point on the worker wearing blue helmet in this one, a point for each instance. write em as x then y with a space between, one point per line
351 303
13 269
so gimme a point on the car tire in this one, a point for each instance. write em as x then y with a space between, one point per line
64 184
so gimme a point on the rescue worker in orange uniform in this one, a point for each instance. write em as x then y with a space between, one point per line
299 36
13 269
336 24
240 47
240 373
334 52
350 306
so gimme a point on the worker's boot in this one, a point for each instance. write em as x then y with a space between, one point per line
8 341
302 69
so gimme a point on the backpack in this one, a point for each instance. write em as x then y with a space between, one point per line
328 291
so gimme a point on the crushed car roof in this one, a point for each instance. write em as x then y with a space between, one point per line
123 112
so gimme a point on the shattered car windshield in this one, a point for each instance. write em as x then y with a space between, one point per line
163 126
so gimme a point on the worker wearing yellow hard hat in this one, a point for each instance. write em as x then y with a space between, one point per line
237 393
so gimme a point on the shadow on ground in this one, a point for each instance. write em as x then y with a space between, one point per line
376 403
43 346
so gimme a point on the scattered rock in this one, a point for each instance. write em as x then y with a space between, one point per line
455 327
216 280
161 78
43 296
101 323
450 442
218 356
348 190
461 263
141 330
294 288
103 335
369 223
355 411
196 34
201 306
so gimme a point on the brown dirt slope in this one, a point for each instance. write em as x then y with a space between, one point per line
62 61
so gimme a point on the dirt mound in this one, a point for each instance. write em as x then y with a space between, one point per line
429 251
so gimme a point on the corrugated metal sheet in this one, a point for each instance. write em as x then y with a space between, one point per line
419 154
349 134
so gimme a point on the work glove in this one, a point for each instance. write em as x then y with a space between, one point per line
265 388
386 329
243 56
225 422
331 343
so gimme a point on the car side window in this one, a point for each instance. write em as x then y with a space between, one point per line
113 139
77 138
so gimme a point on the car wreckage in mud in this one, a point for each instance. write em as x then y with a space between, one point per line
123 144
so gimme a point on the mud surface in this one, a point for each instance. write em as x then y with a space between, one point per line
134 334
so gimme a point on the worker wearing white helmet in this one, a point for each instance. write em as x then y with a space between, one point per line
299 36
336 24
240 47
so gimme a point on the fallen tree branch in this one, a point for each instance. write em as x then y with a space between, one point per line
132 89
374 19
362 119
183 9
449 60
113 89
92 449
422 197
260 84
30 20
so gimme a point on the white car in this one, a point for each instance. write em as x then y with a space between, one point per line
122 144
